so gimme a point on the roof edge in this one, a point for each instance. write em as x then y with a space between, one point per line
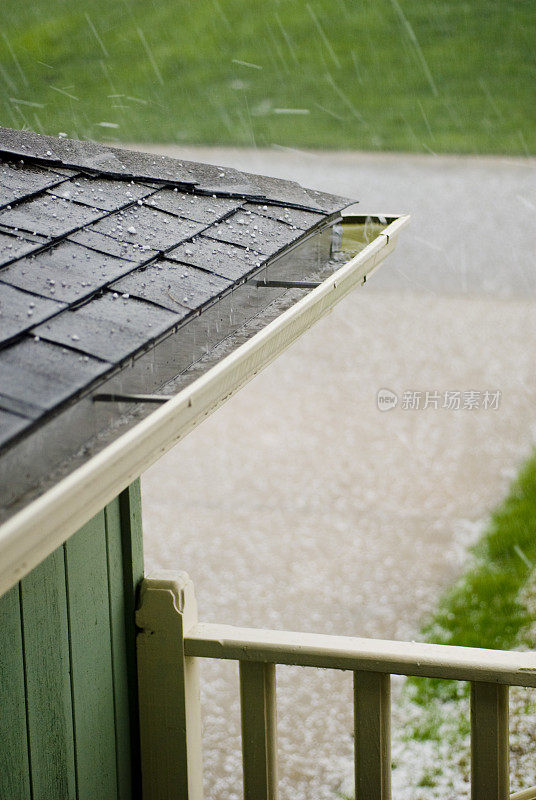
33 533
122 164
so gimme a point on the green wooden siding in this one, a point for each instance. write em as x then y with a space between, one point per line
125 565
68 692
14 770
48 679
91 660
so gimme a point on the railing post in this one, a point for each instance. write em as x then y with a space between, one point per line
259 730
372 731
489 741
170 713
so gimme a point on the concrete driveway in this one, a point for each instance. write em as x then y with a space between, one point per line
299 504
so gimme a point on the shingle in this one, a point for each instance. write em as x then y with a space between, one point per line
64 171
172 170
292 216
10 425
206 177
8 196
292 194
28 144
227 260
22 407
118 161
17 180
110 327
212 179
146 226
67 272
19 311
49 216
93 156
108 195
172 285
193 206
44 372
137 253
251 230
14 245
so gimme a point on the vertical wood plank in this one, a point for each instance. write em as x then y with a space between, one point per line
132 547
372 726
125 571
132 571
14 763
489 742
48 684
91 663
170 709
118 626
259 730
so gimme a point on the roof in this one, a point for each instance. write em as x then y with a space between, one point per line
106 252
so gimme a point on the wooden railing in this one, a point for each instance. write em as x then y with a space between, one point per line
171 641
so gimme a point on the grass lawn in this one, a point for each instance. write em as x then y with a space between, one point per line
486 607
492 605
412 75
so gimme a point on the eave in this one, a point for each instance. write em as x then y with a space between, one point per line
45 523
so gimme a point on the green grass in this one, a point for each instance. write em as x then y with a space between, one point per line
485 608
414 75
492 605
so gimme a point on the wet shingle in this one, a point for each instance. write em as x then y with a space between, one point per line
227 260
147 226
92 156
206 178
45 373
292 216
172 285
108 195
19 179
19 311
193 206
110 327
101 243
14 245
67 272
290 193
49 216
171 170
22 407
65 172
10 425
266 235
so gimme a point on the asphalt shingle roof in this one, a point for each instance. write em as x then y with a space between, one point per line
103 251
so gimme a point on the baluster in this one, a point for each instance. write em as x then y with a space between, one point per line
259 730
489 741
372 727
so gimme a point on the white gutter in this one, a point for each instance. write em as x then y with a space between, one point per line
33 533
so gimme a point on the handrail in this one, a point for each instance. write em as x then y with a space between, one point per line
376 655
524 794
